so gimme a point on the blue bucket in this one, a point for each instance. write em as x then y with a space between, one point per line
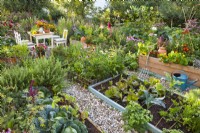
182 78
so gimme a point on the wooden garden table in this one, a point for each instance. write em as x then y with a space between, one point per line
42 36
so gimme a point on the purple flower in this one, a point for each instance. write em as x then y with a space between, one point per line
132 38
8 130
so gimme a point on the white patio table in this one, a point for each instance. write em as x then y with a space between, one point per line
42 36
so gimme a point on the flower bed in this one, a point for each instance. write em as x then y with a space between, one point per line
158 67
101 89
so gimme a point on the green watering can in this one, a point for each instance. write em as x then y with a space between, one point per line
182 77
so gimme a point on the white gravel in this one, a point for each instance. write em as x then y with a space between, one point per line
106 117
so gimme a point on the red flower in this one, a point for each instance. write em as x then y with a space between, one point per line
109 25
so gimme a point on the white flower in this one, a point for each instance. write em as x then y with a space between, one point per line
154 28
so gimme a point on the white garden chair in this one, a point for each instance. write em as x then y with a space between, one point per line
20 41
62 40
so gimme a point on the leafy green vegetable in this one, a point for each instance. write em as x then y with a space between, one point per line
135 117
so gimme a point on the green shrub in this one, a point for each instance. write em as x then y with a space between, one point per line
20 51
15 77
48 73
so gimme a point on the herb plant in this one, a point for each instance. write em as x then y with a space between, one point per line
135 117
48 73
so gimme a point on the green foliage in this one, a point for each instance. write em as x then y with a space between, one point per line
15 77
113 92
87 63
150 99
25 5
6 41
48 73
130 61
186 111
60 53
135 117
172 131
174 57
27 23
58 120
78 8
63 24
20 51
16 110
132 89
191 112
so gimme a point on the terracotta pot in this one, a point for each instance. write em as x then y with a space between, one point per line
162 50
83 39
46 30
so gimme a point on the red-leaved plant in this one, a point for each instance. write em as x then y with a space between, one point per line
32 91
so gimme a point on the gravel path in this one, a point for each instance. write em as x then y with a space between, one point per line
106 117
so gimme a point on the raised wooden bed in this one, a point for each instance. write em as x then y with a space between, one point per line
154 65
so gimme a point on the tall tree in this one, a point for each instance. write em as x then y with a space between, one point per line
25 5
79 8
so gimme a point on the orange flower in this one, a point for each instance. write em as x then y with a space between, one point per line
186 31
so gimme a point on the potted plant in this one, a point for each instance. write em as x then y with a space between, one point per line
40 49
162 42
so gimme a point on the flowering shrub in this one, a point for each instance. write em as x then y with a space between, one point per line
41 23
5 26
45 25
40 49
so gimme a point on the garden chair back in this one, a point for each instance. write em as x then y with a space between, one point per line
62 40
19 41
